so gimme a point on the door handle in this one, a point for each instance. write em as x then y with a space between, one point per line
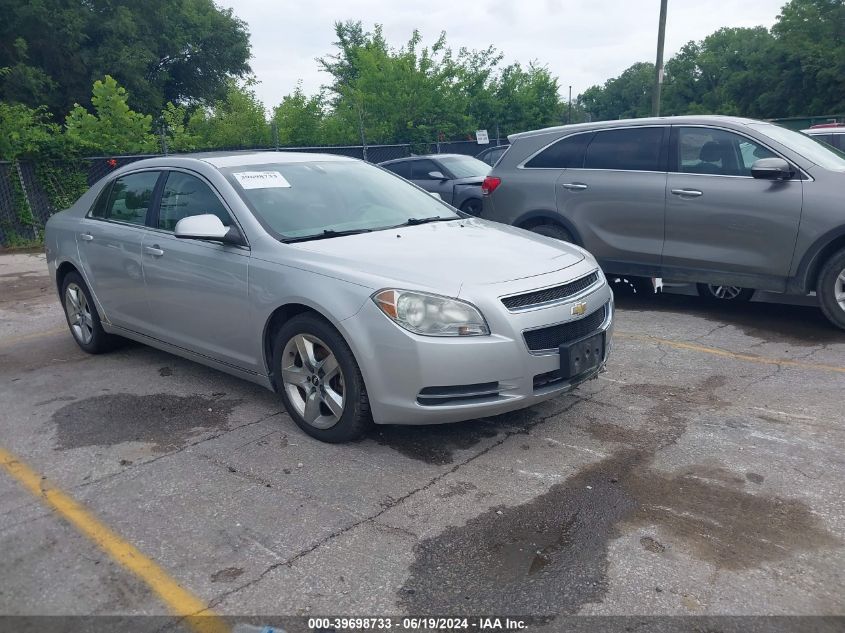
574 186
155 251
691 193
86 237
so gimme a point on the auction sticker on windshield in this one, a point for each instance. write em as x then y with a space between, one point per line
261 179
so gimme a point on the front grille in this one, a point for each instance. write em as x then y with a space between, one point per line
556 293
554 335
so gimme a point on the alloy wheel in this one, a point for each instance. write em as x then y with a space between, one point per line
839 289
313 381
79 314
724 292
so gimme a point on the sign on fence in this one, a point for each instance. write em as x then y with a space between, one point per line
481 137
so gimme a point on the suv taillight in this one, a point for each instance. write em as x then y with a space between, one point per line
489 185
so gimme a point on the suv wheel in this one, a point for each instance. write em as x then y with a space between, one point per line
830 289
552 230
720 293
319 380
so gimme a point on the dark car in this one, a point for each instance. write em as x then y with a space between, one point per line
456 178
491 155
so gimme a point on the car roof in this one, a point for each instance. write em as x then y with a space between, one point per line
817 131
235 159
597 125
417 157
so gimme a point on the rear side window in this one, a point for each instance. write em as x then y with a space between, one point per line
130 198
567 152
633 149
185 195
400 169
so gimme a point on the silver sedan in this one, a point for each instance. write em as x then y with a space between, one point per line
354 294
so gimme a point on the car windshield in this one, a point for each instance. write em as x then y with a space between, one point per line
812 149
465 166
301 200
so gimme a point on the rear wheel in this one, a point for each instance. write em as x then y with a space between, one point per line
472 206
82 317
552 230
721 293
830 289
319 380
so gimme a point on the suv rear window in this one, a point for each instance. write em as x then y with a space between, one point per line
632 149
567 152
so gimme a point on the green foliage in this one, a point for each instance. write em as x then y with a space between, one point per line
298 119
238 120
796 69
183 51
174 120
24 131
63 182
115 128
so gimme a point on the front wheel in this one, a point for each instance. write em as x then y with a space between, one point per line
319 381
721 293
830 289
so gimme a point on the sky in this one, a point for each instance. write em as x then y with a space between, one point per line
583 42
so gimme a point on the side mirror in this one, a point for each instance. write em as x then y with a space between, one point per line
772 169
437 175
206 227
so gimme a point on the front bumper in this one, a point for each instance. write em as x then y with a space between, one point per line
414 379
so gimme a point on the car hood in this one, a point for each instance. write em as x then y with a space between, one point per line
440 256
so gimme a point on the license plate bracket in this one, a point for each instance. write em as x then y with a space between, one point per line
581 356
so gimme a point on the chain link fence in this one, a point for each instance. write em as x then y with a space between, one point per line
31 191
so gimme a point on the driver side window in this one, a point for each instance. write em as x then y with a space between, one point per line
184 196
717 152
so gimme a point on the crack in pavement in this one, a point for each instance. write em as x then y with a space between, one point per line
393 503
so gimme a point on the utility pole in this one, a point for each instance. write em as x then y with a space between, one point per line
658 66
569 114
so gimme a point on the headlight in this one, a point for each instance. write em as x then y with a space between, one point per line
431 315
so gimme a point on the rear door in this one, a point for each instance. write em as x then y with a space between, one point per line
723 225
616 199
197 290
109 244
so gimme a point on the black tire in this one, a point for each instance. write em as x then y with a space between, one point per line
88 331
552 230
472 206
832 278
355 419
717 293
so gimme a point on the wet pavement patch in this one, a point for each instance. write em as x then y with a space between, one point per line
165 421
227 575
549 556
165 371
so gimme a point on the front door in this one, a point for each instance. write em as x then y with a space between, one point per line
197 290
617 198
723 225
421 176
109 244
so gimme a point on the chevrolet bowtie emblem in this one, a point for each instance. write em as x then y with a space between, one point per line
579 308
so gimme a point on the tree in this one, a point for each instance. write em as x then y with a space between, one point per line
182 51
236 121
298 119
24 131
115 128
625 96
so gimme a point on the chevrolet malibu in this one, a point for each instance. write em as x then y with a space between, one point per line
353 294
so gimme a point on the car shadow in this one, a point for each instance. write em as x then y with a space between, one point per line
773 322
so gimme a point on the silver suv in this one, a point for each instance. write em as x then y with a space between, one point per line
721 201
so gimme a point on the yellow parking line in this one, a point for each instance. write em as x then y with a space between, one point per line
180 601
722 352
14 340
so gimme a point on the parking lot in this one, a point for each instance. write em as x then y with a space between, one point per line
701 474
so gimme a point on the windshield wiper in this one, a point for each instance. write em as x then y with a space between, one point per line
326 234
415 221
